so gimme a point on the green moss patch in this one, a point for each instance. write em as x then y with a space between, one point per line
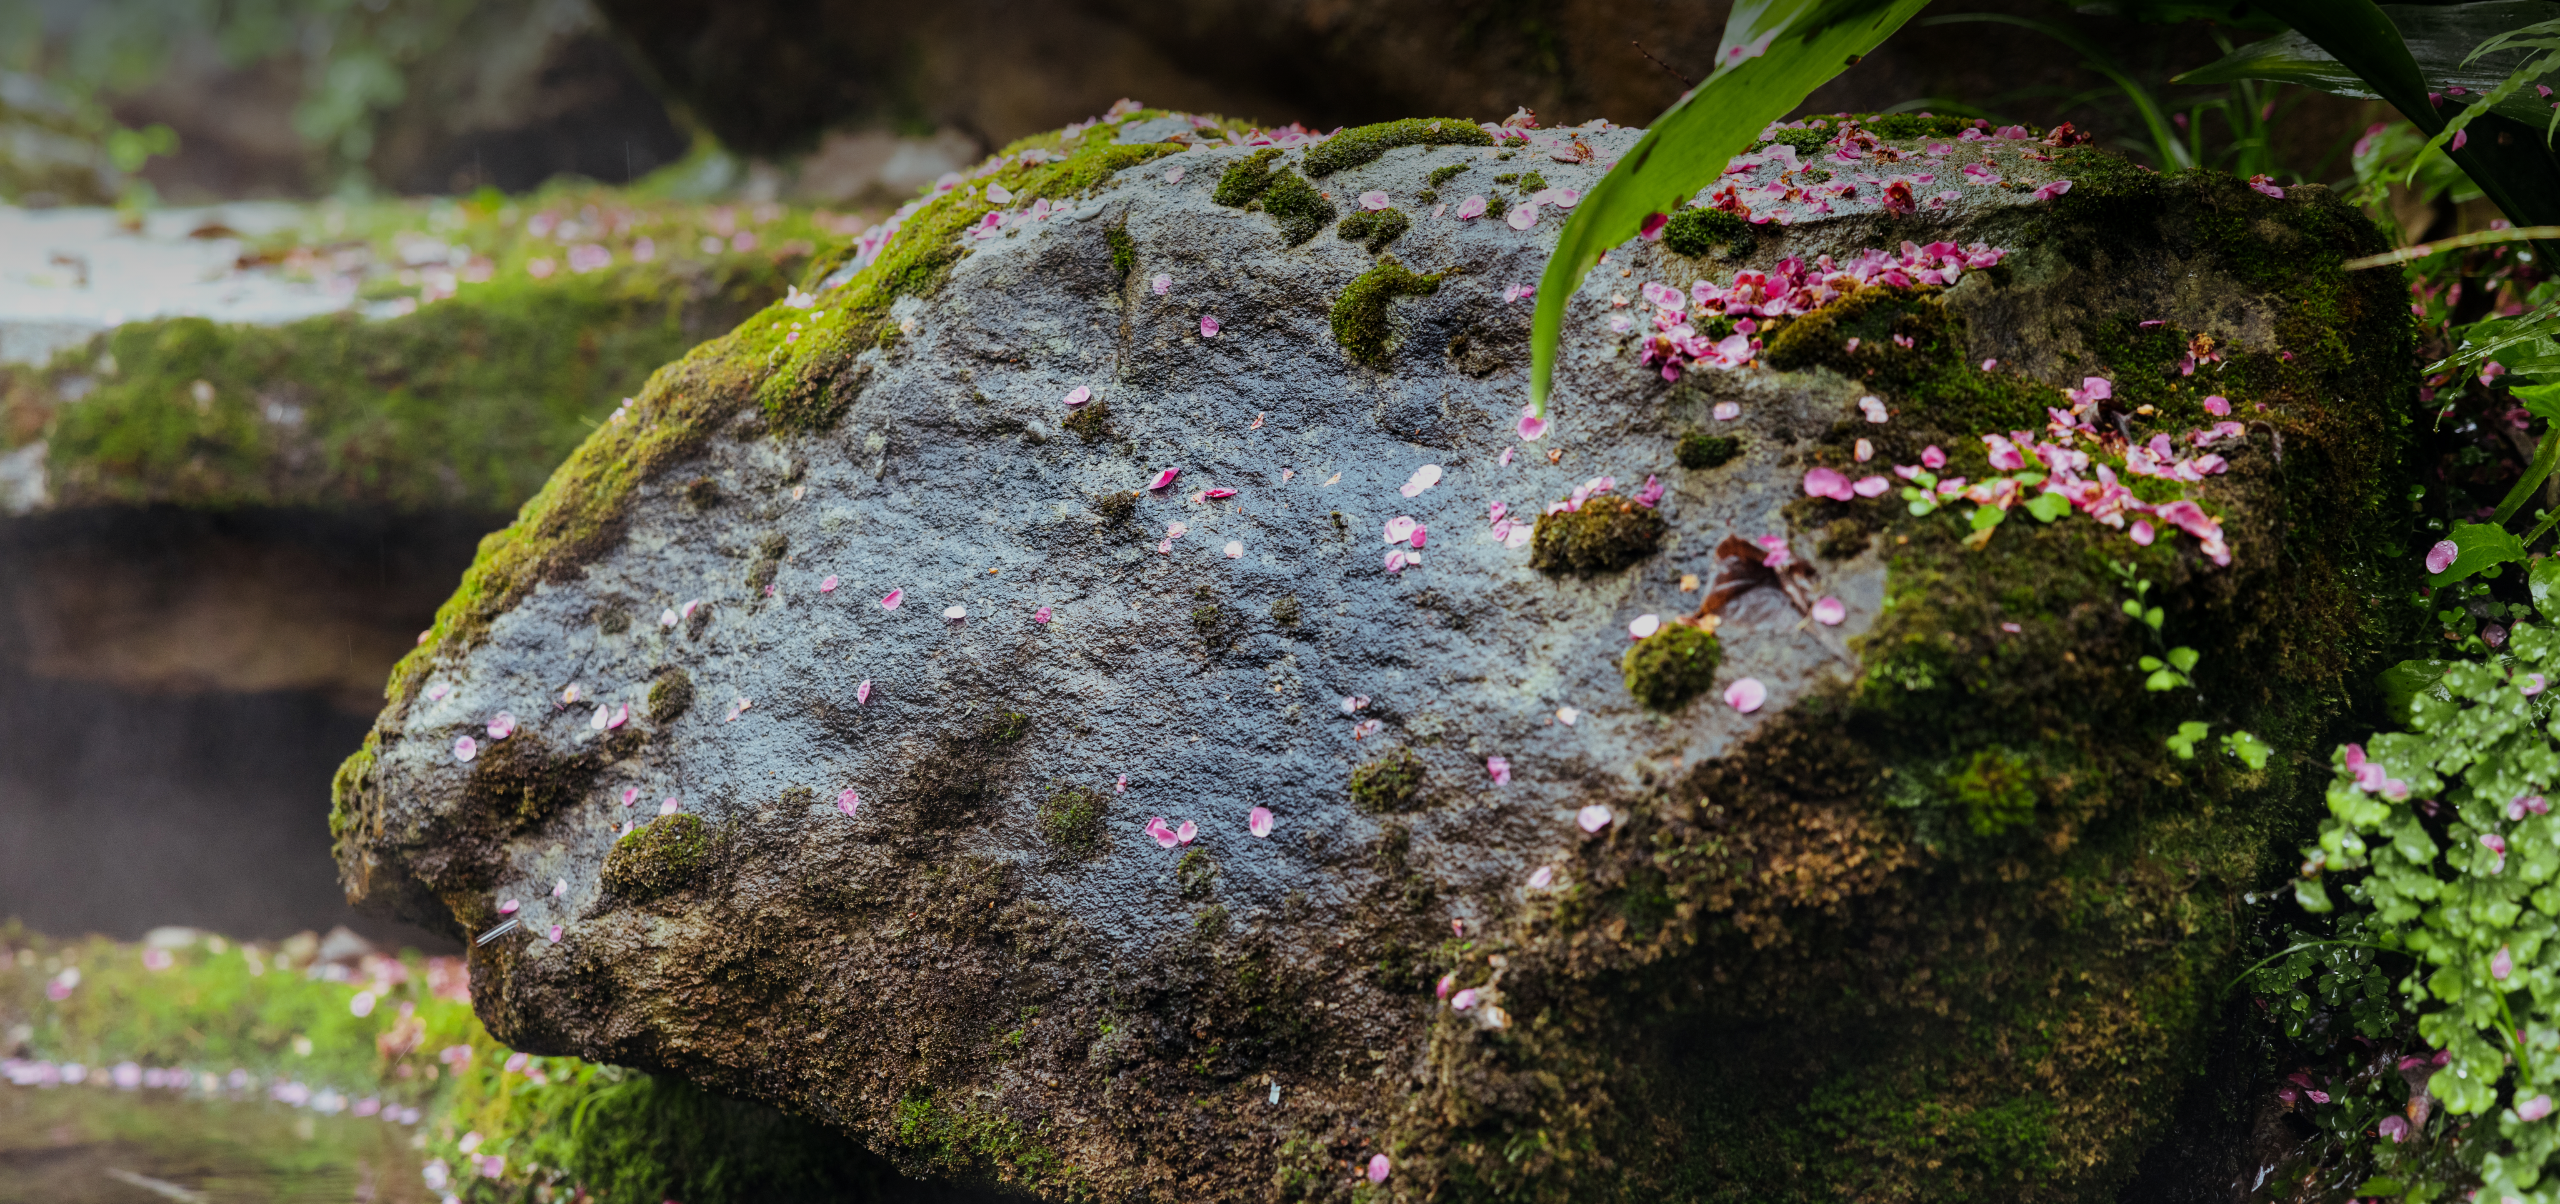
1390 785
1196 874
1363 144
1091 422
1670 667
670 695
521 780
1360 314
1698 449
1875 317
1607 534
1286 610
770 551
1124 251
1374 229
1698 233
1071 820
662 855
1251 183
957 777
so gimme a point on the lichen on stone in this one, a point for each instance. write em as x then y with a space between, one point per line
1360 314
1673 665
1605 535
665 854
1364 144
1389 785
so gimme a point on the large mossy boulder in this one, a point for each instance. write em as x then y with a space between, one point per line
1944 915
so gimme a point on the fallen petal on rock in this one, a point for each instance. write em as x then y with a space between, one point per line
848 802
1829 611
1746 695
1593 818
1258 821
891 600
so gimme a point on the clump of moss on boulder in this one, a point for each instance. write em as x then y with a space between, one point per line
1360 313
1698 233
662 855
1091 422
1071 820
1374 228
1698 449
1390 785
1605 535
1668 668
1364 144
670 694
1251 184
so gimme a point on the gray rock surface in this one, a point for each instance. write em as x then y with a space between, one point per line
942 969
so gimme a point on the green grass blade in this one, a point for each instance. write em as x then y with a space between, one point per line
1807 42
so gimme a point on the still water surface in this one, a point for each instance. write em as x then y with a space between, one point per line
88 1145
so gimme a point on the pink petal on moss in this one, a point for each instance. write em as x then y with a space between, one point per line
891 600
1079 395
1398 530
1164 478
1523 216
1186 832
1235 549
1420 535
1258 821
1448 982
1870 486
2142 532
848 802
1471 208
1507 453
1378 1168
1643 626
1746 695
559 888
2217 406
862 693
465 748
1460 1002
1829 611
1593 818
1932 459
1395 561
1123 786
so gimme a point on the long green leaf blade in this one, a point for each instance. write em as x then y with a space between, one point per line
1800 45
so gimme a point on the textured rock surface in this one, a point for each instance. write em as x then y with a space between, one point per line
1942 918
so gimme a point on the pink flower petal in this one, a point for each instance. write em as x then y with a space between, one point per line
465 748
1448 982
1864 450
1874 409
1507 453
1208 326
2534 683
862 693
1470 208
1523 215
1373 200
1123 787
1399 530
891 600
2502 963
1423 478
1217 494
1079 395
1421 534
510 907
1163 284
1644 625
1932 459
503 726
1826 482
1746 695
1176 530
2052 190
559 888
555 934
2142 533
1499 768
630 796
1235 549
2534 1109
1871 486
668 806
1460 1002
1593 818
1258 822
848 802
955 613
1164 478
1653 224
1727 411
1542 877
2217 406
1395 562
667 617
828 586
1531 427
1164 835
1378 1168
1829 612
2440 557
1567 715
1041 615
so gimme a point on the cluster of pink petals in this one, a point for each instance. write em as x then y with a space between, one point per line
503 725
1590 489
1168 836
607 718
2370 777
1831 483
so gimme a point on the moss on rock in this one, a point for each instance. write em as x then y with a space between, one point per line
1071 820
1390 785
1698 233
662 855
1364 144
1670 667
1605 535
1360 314
670 695
1250 183
1373 228
1698 449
